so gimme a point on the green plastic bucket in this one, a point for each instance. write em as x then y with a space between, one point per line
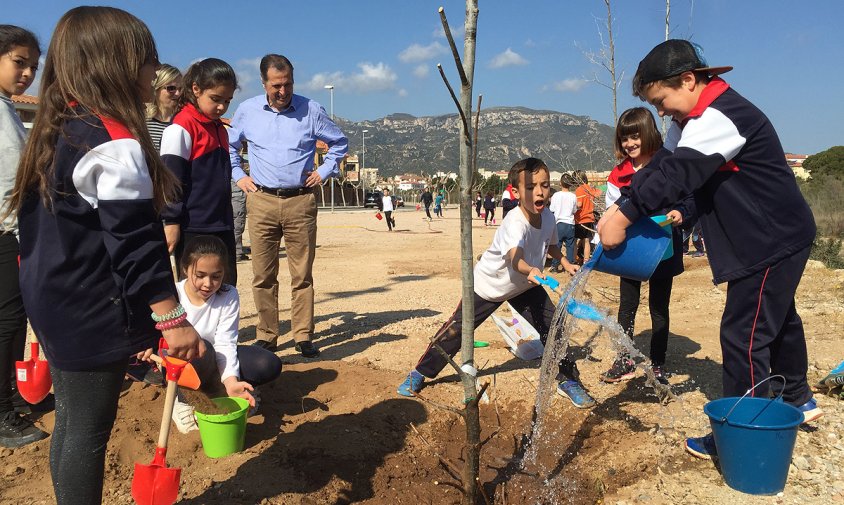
223 434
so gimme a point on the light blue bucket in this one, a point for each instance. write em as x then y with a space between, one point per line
647 244
755 441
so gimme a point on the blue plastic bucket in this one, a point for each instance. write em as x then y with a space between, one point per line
663 221
755 439
637 257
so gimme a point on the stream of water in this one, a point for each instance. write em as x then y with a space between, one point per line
563 325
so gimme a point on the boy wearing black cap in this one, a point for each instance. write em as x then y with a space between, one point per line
758 227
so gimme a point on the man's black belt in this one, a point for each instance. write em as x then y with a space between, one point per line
284 192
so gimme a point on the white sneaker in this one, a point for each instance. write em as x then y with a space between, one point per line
183 417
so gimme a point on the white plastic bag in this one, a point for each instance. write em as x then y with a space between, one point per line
520 335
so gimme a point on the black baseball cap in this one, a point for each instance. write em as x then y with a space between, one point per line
673 57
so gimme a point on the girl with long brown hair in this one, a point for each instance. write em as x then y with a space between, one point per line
93 257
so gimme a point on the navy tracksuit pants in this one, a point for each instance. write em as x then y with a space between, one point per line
762 334
534 305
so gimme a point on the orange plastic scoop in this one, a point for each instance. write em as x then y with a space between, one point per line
188 378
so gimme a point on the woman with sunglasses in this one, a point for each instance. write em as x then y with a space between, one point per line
168 88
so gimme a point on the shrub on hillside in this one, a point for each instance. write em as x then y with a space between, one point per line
825 195
828 252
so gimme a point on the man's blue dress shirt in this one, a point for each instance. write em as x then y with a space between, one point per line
282 144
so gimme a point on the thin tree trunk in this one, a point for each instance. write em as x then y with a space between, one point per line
473 425
466 70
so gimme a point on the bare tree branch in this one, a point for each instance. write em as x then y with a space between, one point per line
440 405
464 81
475 143
456 102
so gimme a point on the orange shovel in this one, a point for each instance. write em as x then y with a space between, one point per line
188 377
33 377
155 484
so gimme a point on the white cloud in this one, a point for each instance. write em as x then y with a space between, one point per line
248 71
421 71
370 78
417 52
566 85
402 92
530 43
318 81
456 32
506 59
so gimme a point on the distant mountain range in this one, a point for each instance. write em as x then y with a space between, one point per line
402 143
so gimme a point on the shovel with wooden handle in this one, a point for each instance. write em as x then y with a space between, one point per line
155 484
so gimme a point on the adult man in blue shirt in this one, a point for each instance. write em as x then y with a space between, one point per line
281 130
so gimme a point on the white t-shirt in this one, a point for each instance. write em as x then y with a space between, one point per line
387 203
563 204
495 278
216 321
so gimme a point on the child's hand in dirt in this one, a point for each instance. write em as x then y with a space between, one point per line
239 389
570 268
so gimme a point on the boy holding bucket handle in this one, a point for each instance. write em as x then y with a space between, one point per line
507 271
727 154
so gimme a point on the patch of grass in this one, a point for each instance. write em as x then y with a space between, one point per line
827 251
825 195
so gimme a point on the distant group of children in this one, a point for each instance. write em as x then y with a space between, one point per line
91 187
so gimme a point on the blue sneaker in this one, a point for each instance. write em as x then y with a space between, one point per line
574 391
412 384
702 447
811 411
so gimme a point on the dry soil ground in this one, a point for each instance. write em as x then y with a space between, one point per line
333 430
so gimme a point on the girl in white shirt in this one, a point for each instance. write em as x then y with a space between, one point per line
213 308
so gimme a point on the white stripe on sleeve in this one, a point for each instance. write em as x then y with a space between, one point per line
712 133
177 141
114 170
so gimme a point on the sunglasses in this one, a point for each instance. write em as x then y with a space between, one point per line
171 88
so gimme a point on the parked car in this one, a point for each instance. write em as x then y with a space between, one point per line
372 199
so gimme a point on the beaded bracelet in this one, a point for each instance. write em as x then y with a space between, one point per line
171 323
176 312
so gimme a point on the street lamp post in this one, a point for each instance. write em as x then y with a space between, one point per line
330 87
362 166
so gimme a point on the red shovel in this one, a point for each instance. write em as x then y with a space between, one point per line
155 484
34 381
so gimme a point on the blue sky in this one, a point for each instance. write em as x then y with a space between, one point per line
381 55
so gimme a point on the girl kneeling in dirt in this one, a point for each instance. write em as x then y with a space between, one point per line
213 308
